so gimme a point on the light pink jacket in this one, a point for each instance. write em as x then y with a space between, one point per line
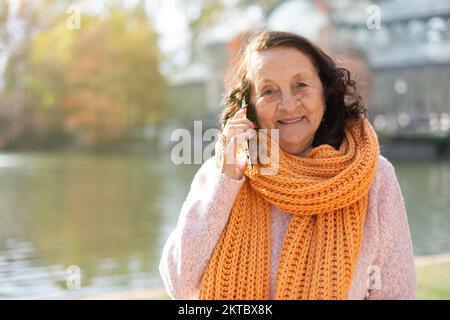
385 269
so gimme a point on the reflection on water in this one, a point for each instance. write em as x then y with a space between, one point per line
426 188
110 215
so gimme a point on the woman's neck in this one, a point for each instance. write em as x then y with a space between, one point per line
301 154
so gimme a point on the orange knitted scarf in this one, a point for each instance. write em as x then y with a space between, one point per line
326 191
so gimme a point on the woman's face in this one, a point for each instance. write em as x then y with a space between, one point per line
288 95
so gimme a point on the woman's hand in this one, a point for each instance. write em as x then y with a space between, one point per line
236 133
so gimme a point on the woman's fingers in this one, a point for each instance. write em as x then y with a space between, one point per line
240 117
241 113
240 134
237 131
236 139
240 128
235 125
242 121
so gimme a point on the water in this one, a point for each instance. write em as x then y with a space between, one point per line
110 215
426 190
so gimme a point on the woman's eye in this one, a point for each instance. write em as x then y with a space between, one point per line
268 92
301 85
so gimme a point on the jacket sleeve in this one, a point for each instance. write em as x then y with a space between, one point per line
202 219
395 259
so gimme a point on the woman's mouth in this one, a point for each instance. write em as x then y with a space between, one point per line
291 120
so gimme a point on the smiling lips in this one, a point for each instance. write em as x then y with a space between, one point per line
292 120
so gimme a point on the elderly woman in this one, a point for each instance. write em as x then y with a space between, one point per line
330 224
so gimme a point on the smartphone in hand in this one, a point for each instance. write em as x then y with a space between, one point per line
243 104
251 115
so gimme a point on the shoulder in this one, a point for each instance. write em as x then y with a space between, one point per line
385 167
386 193
385 196
385 173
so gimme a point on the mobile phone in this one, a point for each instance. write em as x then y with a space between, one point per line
251 115
243 104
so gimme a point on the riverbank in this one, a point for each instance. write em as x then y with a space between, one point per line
433 282
433 277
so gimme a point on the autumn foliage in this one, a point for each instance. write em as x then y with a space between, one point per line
89 85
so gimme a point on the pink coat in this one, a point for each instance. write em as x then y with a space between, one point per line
385 269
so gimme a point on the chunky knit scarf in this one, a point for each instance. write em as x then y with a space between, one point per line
326 191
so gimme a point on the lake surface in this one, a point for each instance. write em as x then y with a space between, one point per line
109 216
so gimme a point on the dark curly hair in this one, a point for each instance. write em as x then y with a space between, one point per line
341 97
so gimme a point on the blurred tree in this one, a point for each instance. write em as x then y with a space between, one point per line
4 12
267 6
18 24
203 14
92 84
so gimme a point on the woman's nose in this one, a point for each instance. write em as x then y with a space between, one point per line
288 101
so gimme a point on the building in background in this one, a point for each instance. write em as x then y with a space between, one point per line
204 76
409 59
402 65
